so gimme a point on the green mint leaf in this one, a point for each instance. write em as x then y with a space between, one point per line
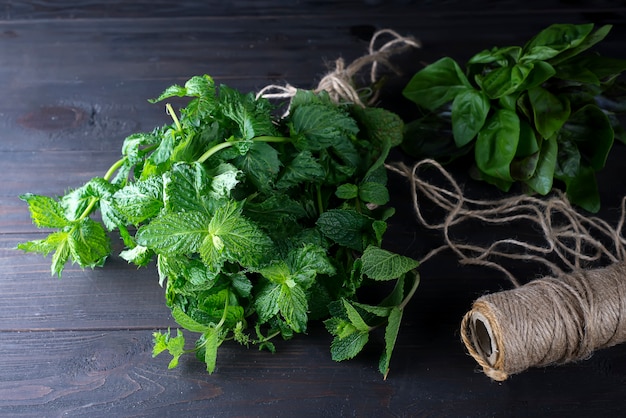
346 227
56 242
277 214
185 188
293 306
251 116
141 200
187 321
175 233
138 255
347 191
307 261
260 165
348 346
303 168
391 335
354 317
224 178
88 243
210 341
380 125
375 193
174 345
266 301
134 146
45 211
436 84
316 126
380 264
234 237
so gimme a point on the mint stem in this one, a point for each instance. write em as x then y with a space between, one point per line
107 177
216 148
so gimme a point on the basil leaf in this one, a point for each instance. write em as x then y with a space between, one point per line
497 144
469 112
549 111
436 84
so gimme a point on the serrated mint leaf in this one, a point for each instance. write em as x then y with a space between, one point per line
185 187
293 306
306 262
346 227
391 335
45 211
224 178
316 126
187 321
354 317
303 168
266 301
348 346
347 191
175 233
88 243
211 342
237 238
375 193
260 164
252 116
139 255
141 200
380 124
55 242
379 264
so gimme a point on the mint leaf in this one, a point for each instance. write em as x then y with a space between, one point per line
391 335
175 233
379 264
141 200
316 126
88 243
233 237
302 168
345 226
261 165
348 346
45 211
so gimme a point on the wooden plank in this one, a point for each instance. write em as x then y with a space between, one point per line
46 9
112 373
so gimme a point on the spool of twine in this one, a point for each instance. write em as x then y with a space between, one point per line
549 321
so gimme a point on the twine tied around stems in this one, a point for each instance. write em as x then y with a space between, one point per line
339 82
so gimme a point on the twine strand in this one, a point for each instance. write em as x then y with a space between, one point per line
339 82
570 240
557 319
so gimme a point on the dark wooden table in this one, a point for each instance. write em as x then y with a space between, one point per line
74 79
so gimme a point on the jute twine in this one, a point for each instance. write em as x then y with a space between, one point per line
340 81
552 320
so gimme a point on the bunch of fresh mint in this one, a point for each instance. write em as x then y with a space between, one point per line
258 223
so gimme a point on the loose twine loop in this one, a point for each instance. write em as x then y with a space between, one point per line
552 320
339 83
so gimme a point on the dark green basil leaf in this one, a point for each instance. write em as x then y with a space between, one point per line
436 84
549 111
592 132
559 37
497 144
582 190
588 42
542 179
469 112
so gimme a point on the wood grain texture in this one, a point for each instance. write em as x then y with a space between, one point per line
75 77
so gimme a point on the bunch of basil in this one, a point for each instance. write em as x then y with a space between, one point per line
531 114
